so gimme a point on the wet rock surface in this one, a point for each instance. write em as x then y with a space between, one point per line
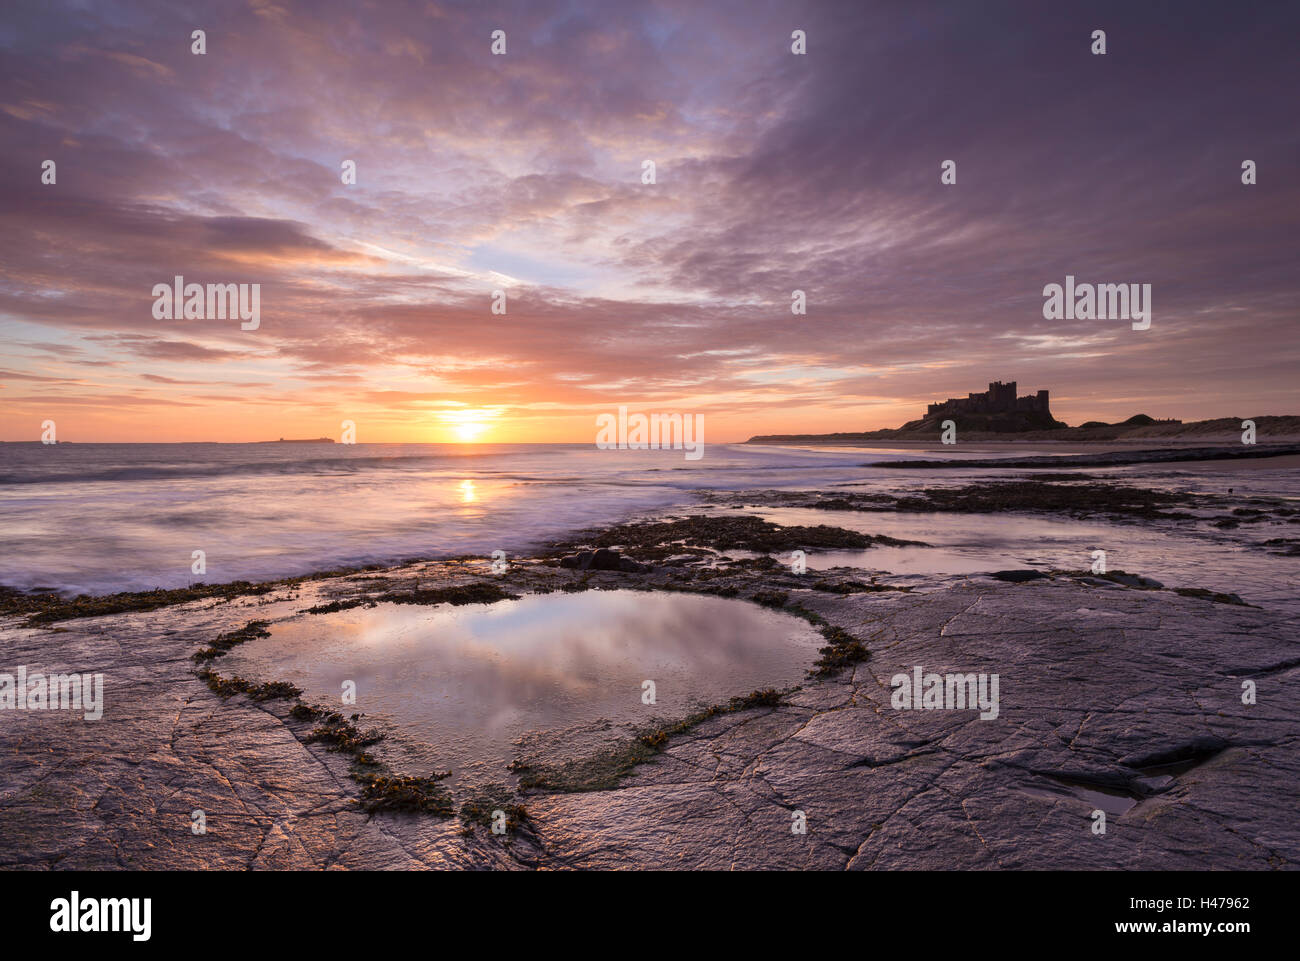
1018 577
699 534
1062 495
1099 689
1164 455
1114 697
603 559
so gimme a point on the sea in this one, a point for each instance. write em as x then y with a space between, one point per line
100 518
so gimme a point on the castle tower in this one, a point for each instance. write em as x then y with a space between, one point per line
1001 396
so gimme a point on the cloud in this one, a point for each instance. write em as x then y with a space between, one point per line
774 173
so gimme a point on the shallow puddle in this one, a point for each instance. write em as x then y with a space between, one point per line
1110 800
471 680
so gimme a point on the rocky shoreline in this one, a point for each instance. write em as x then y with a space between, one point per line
1167 455
1117 695
1222 431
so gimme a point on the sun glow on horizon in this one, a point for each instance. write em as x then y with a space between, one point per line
468 424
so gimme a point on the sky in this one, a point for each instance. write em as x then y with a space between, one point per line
523 173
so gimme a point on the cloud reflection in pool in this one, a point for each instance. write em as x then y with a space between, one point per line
470 680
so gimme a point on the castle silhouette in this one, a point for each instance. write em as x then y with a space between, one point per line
1000 398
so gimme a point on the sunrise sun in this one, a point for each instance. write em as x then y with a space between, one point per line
467 425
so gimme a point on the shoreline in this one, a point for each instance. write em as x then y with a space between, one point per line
1117 458
43 601
41 606
1277 429
867 776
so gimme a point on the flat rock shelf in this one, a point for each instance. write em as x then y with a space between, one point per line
1114 694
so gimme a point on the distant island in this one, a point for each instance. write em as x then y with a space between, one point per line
997 414
299 440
